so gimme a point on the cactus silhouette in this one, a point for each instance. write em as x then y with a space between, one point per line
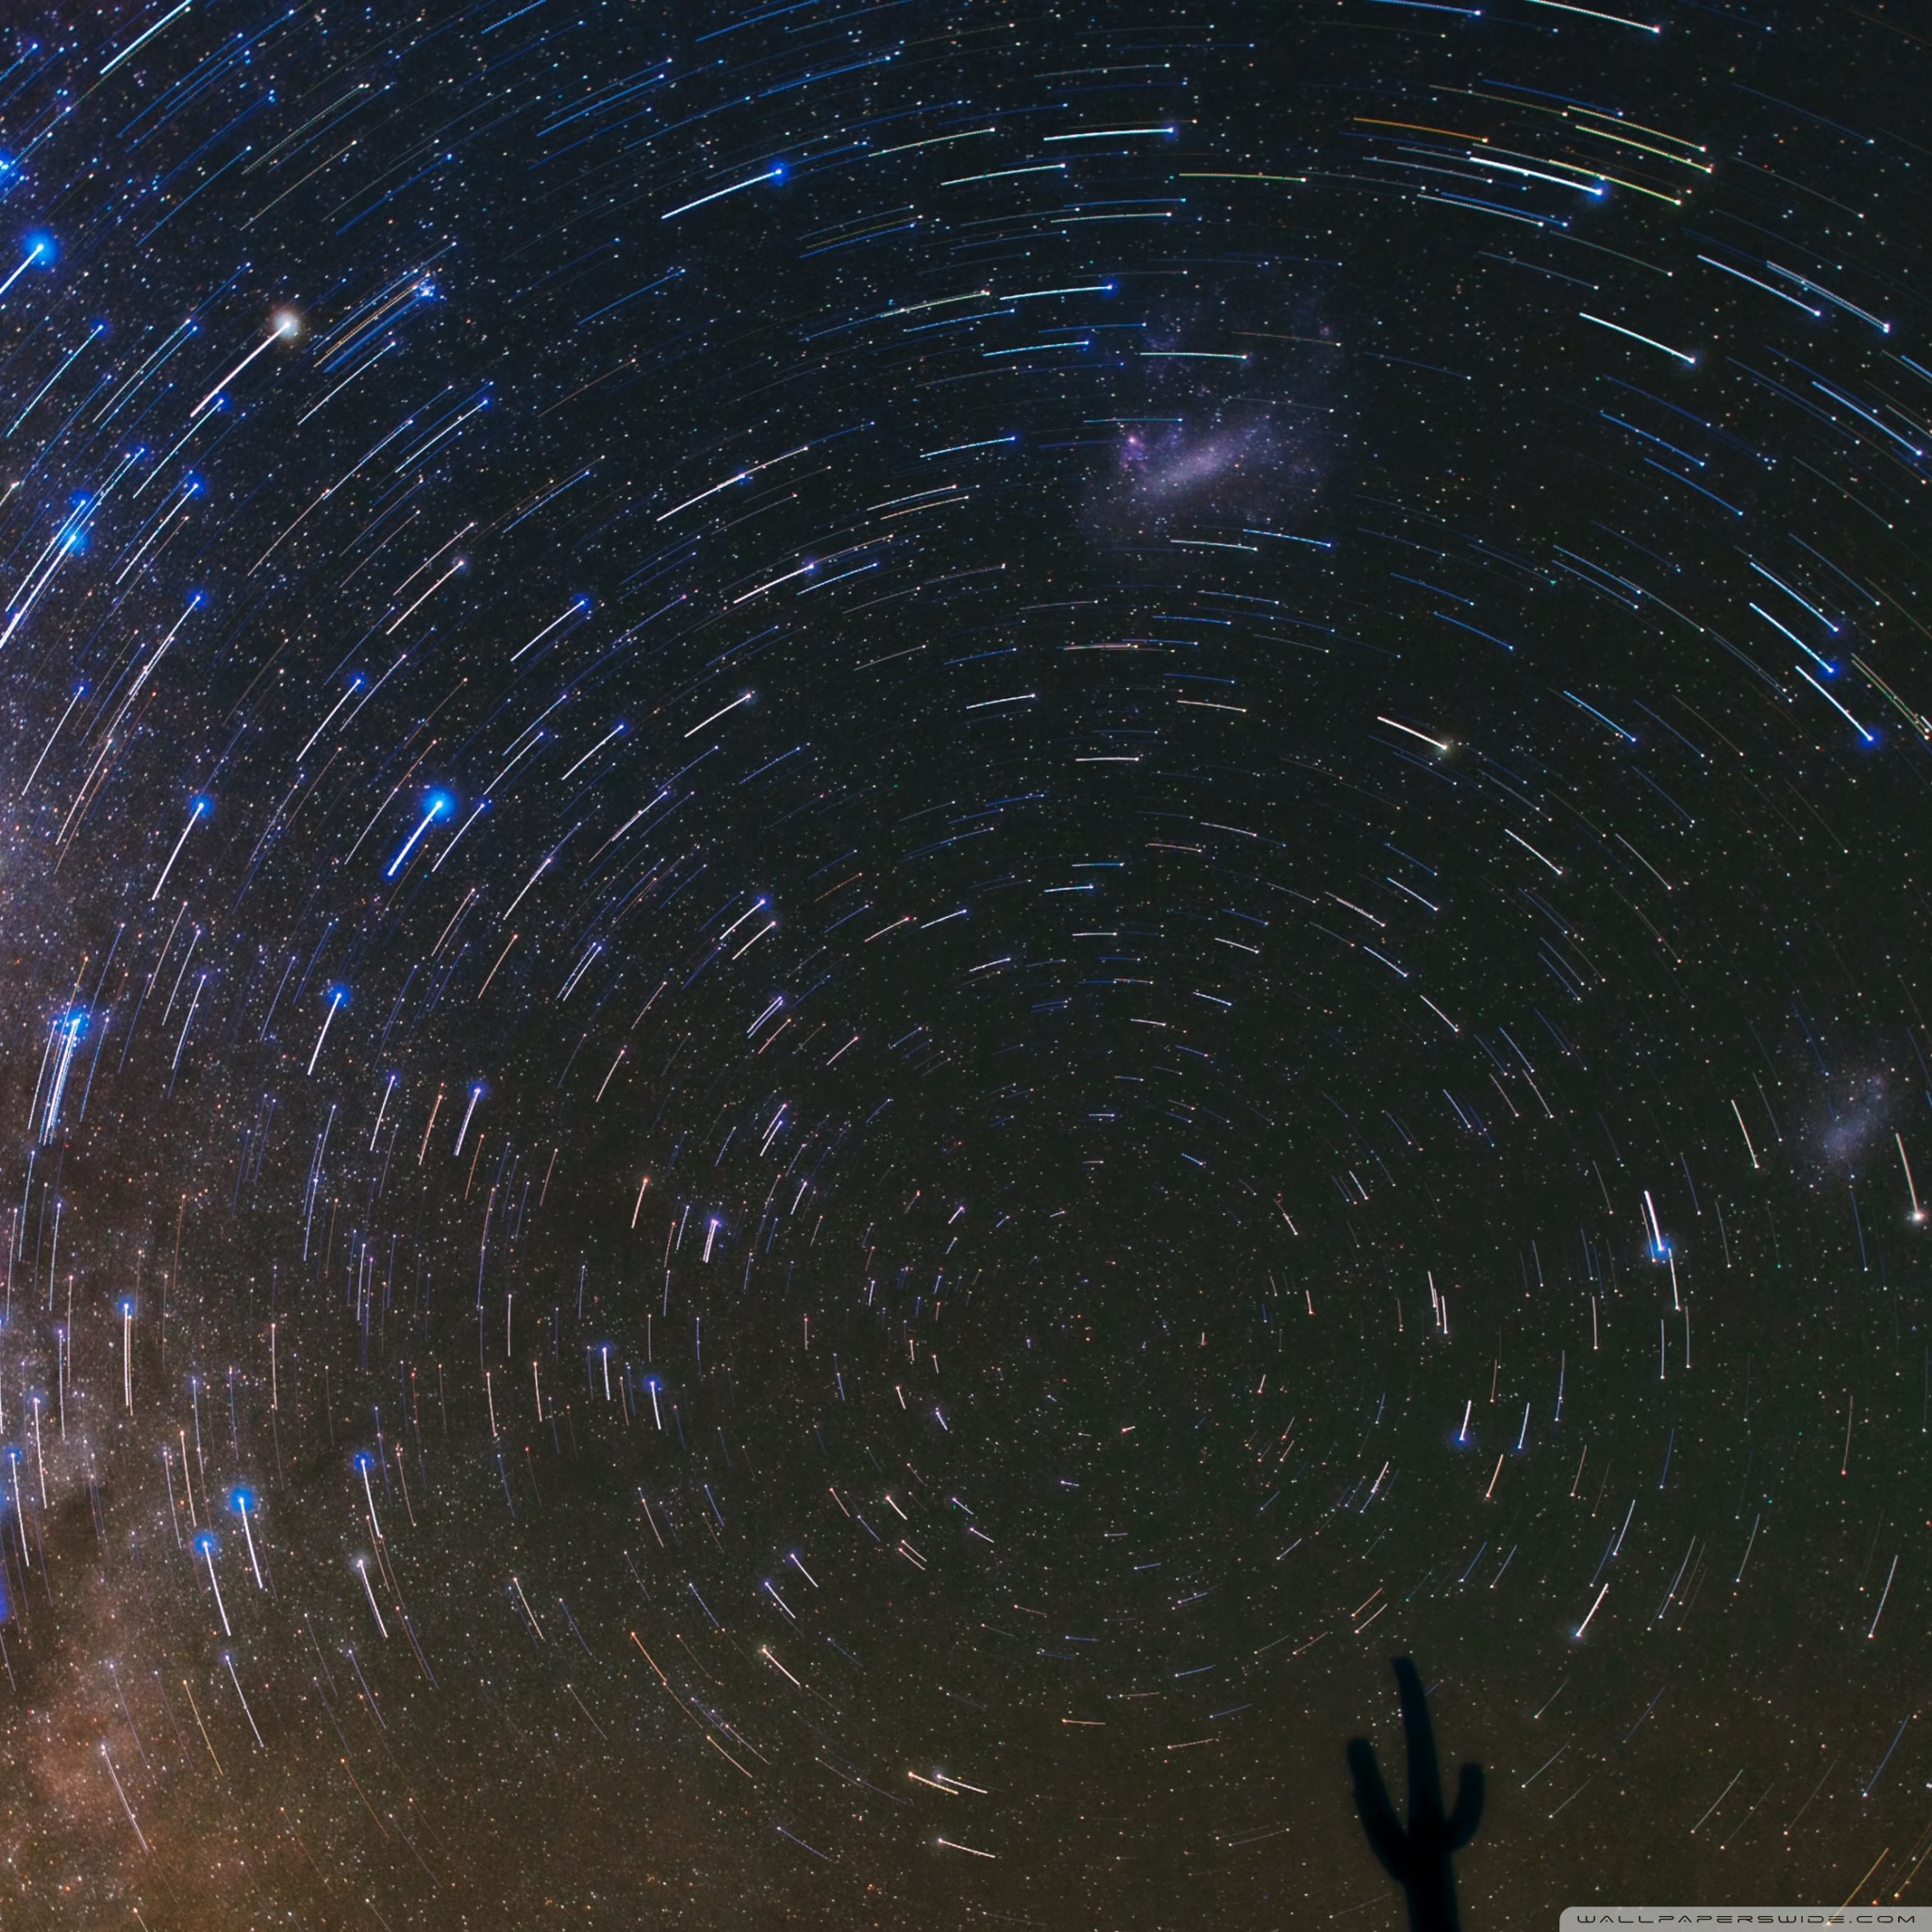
1418 1858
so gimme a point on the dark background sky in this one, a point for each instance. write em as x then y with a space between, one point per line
902 902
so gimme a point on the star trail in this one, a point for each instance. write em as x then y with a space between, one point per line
902 902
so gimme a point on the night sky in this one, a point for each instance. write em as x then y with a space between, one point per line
902 902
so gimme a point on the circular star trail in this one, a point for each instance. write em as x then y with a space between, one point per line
904 902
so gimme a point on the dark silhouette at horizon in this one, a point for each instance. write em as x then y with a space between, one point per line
1418 1857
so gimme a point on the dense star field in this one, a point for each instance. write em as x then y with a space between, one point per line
902 902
